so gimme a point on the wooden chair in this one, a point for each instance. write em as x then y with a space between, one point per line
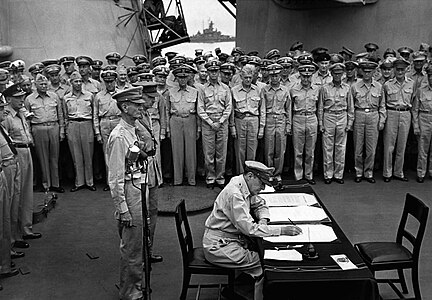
384 256
193 258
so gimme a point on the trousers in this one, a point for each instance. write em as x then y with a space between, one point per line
275 143
334 144
215 151
305 131
246 143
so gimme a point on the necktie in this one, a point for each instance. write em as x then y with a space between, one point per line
8 140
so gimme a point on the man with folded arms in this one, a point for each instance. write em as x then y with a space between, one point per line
239 213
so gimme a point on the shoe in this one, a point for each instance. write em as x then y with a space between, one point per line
420 179
21 244
210 185
387 179
17 254
57 189
327 181
156 259
91 187
339 180
358 179
13 272
76 188
311 181
220 185
401 178
370 180
33 236
106 188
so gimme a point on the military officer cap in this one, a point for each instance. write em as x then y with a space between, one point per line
149 88
41 78
132 70
336 58
25 78
424 47
371 47
189 61
17 65
74 76
48 62
97 64
307 70
53 69
143 68
429 70
285 61
160 70
114 56
110 67
170 55
182 71
244 59
109 75
367 65
296 46
4 76
322 57
351 65
218 51
178 60
319 51
228 67
273 54
361 56
13 91
159 61
5 64
192 70
389 52
213 65
265 63
400 62
346 51
419 56
198 52
337 68
139 59
264 173
387 63
145 77
238 50
254 60
199 60
253 53
133 94
274 69
67 60
36 68
83 60
305 59
223 56
405 51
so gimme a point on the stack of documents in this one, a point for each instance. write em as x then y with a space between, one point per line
287 254
316 233
289 199
297 214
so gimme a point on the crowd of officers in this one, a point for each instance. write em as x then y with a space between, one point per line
212 113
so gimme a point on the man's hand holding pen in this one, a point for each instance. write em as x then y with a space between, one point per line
291 230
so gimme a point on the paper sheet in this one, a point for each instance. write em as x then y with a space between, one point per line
343 261
316 233
289 199
292 255
297 214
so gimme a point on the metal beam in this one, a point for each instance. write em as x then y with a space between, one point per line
233 2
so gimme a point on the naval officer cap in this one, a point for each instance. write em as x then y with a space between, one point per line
160 71
371 47
177 60
36 68
322 57
53 69
319 51
5 65
170 55
182 71
244 59
13 91
133 94
48 62
253 53
367 65
132 70
305 59
265 63
97 64
228 67
419 56
213 65
307 70
387 63
199 60
17 65
114 56
159 61
66 60
109 75
389 52
260 170
337 68
238 50
274 69
4 76
146 77
362 56
189 61
143 68
273 54
84 60
405 51
199 52
401 63
255 60
285 61
346 51
351 65
296 46
223 56
139 59
110 67
149 88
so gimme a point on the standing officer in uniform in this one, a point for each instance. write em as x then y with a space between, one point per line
113 58
422 124
106 113
248 120
304 101
84 66
369 119
56 86
96 68
47 126
335 118
182 120
398 97
417 73
239 213
68 63
127 198
214 108
277 102
78 106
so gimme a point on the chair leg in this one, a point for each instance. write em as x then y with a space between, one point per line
402 281
415 282
186 280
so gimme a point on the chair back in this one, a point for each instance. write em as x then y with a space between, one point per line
183 231
417 209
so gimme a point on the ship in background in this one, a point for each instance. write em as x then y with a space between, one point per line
210 35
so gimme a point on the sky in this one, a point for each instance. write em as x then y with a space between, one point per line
198 12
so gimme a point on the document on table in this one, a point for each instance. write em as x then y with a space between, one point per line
316 233
289 199
292 255
297 214
343 261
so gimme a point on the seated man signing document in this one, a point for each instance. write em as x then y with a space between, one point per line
238 213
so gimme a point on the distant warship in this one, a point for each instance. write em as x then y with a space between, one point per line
210 35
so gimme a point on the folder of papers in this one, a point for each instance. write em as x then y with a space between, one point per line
343 261
316 233
297 214
289 199
292 255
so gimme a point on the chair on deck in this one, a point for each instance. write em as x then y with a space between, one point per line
193 258
384 256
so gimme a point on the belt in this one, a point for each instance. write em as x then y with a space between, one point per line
241 115
398 108
79 119
110 117
22 145
275 116
185 115
45 123
9 162
304 113
428 112
366 109
223 234
334 112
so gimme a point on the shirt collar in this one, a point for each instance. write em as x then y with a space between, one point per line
252 87
243 186
11 111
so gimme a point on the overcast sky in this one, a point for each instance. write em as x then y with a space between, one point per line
198 12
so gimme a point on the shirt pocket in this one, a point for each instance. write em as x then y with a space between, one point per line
208 97
254 101
240 103
191 98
